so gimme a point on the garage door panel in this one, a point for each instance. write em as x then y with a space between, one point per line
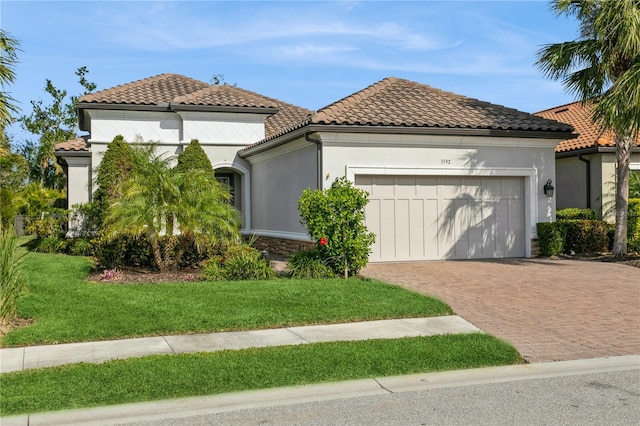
516 208
402 224
416 230
426 187
405 186
372 212
449 188
445 217
512 188
471 188
383 186
387 228
491 188
364 182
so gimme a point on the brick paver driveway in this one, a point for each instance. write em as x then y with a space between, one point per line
549 309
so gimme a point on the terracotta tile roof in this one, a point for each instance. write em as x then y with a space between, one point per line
156 90
225 95
180 90
78 144
288 118
578 115
395 102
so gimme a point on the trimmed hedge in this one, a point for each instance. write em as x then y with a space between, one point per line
585 236
551 237
573 213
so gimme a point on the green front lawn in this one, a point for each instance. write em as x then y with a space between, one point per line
67 308
173 376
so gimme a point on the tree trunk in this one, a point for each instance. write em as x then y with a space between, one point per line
623 158
157 257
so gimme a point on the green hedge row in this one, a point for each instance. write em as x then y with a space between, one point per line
577 231
573 236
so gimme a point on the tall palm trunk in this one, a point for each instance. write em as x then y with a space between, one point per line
624 144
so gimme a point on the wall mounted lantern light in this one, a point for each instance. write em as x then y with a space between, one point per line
548 189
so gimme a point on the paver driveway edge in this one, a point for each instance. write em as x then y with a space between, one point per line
548 309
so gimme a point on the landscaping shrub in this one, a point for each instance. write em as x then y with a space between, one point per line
633 225
308 264
194 158
51 245
12 278
48 226
115 167
551 237
576 213
81 247
239 262
87 219
585 236
335 219
125 250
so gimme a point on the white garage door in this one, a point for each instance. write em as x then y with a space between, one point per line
444 217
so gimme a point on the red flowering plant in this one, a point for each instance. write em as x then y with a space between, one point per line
335 218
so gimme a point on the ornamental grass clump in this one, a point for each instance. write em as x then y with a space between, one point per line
12 278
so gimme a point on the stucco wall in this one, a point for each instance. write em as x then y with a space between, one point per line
571 182
278 179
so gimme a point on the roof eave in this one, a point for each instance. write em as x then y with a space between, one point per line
591 150
444 131
65 153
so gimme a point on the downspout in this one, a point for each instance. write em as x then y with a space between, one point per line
318 144
588 164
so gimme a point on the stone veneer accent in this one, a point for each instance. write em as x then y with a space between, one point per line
281 246
535 248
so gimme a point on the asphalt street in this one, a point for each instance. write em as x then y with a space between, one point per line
611 398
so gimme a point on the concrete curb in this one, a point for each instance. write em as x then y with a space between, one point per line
177 408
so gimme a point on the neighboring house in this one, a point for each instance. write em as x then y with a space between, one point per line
586 165
449 177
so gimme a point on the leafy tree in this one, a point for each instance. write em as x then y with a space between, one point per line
335 219
194 158
157 200
603 67
13 175
219 80
52 123
115 167
8 59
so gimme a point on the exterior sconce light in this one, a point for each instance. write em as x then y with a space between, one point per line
548 189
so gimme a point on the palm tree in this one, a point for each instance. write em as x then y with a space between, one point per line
8 59
603 66
159 201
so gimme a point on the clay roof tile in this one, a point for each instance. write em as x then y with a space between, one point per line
578 115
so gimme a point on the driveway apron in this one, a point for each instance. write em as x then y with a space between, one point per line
548 309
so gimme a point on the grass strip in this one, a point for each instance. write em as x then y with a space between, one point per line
174 376
67 308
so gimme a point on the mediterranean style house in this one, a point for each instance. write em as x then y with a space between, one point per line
449 177
586 165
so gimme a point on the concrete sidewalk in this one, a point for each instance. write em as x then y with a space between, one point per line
23 358
163 412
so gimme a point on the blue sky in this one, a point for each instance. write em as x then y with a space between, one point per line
308 53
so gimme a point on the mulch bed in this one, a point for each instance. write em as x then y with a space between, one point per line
146 276
631 259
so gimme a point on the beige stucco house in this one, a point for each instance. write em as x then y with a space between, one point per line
449 177
586 165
